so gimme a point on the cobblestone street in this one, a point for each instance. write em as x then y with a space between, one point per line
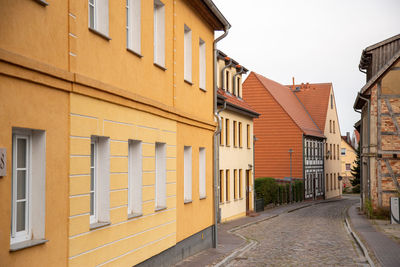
312 236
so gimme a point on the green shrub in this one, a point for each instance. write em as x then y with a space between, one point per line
267 188
356 189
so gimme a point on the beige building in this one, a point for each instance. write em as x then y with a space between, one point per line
236 142
348 155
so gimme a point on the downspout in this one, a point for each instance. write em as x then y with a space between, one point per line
216 139
368 144
230 64
234 84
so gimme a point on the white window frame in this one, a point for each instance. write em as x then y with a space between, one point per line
161 176
93 169
100 16
202 172
187 174
135 174
187 51
101 213
202 65
343 151
133 25
159 33
35 185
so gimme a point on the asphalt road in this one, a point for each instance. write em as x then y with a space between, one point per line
312 236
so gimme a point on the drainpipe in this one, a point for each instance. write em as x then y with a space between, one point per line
234 84
230 64
368 145
216 139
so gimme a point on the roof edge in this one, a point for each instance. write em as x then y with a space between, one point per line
381 43
217 13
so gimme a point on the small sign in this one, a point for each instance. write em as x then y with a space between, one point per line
3 162
394 210
287 179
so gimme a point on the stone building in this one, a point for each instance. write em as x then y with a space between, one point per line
379 104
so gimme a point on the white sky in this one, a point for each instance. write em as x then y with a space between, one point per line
315 41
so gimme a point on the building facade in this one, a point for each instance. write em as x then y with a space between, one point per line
108 140
348 156
289 143
379 103
236 198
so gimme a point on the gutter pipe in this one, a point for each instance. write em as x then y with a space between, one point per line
368 145
234 84
216 138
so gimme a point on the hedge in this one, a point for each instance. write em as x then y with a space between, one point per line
275 191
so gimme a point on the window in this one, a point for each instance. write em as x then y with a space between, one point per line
221 135
330 150
326 150
327 182
248 135
99 180
159 33
337 149
240 134
227 137
240 184
98 16
133 27
331 178
348 167
28 185
161 173
221 188
227 81
227 185
202 64
333 126
330 126
187 174
334 151
334 180
343 151
202 172
187 54
135 177
234 134
235 195
238 93
331 101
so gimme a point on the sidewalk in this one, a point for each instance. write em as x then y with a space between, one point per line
229 243
386 250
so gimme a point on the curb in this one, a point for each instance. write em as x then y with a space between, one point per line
358 241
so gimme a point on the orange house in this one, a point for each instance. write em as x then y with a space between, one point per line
289 142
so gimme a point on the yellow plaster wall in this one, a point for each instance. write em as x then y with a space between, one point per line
332 166
37 32
125 238
29 105
188 220
231 158
349 158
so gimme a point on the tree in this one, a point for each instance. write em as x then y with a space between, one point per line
355 169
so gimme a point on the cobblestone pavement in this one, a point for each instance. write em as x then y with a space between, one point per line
312 236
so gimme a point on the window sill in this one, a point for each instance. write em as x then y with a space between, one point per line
134 52
98 225
202 89
159 66
134 215
188 82
187 201
160 208
201 198
27 244
100 34
42 2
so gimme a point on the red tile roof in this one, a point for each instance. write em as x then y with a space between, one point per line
315 98
292 105
238 102
357 134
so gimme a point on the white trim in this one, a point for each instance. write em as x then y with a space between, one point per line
187 53
135 176
161 177
202 64
202 172
187 173
159 33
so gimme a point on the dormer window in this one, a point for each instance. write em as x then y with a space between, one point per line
227 81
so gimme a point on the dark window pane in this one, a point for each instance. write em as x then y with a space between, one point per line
21 216
92 155
91 179
91 203
21 184
21 153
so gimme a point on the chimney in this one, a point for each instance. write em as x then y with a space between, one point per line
293 84
348 137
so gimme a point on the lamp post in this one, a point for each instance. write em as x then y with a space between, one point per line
290 188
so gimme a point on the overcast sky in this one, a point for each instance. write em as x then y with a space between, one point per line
315 41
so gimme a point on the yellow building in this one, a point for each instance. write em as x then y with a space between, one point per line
236 181
108 139
347 156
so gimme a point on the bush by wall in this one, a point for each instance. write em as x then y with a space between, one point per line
275 191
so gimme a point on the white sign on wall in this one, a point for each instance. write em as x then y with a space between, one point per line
3 162
394 210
